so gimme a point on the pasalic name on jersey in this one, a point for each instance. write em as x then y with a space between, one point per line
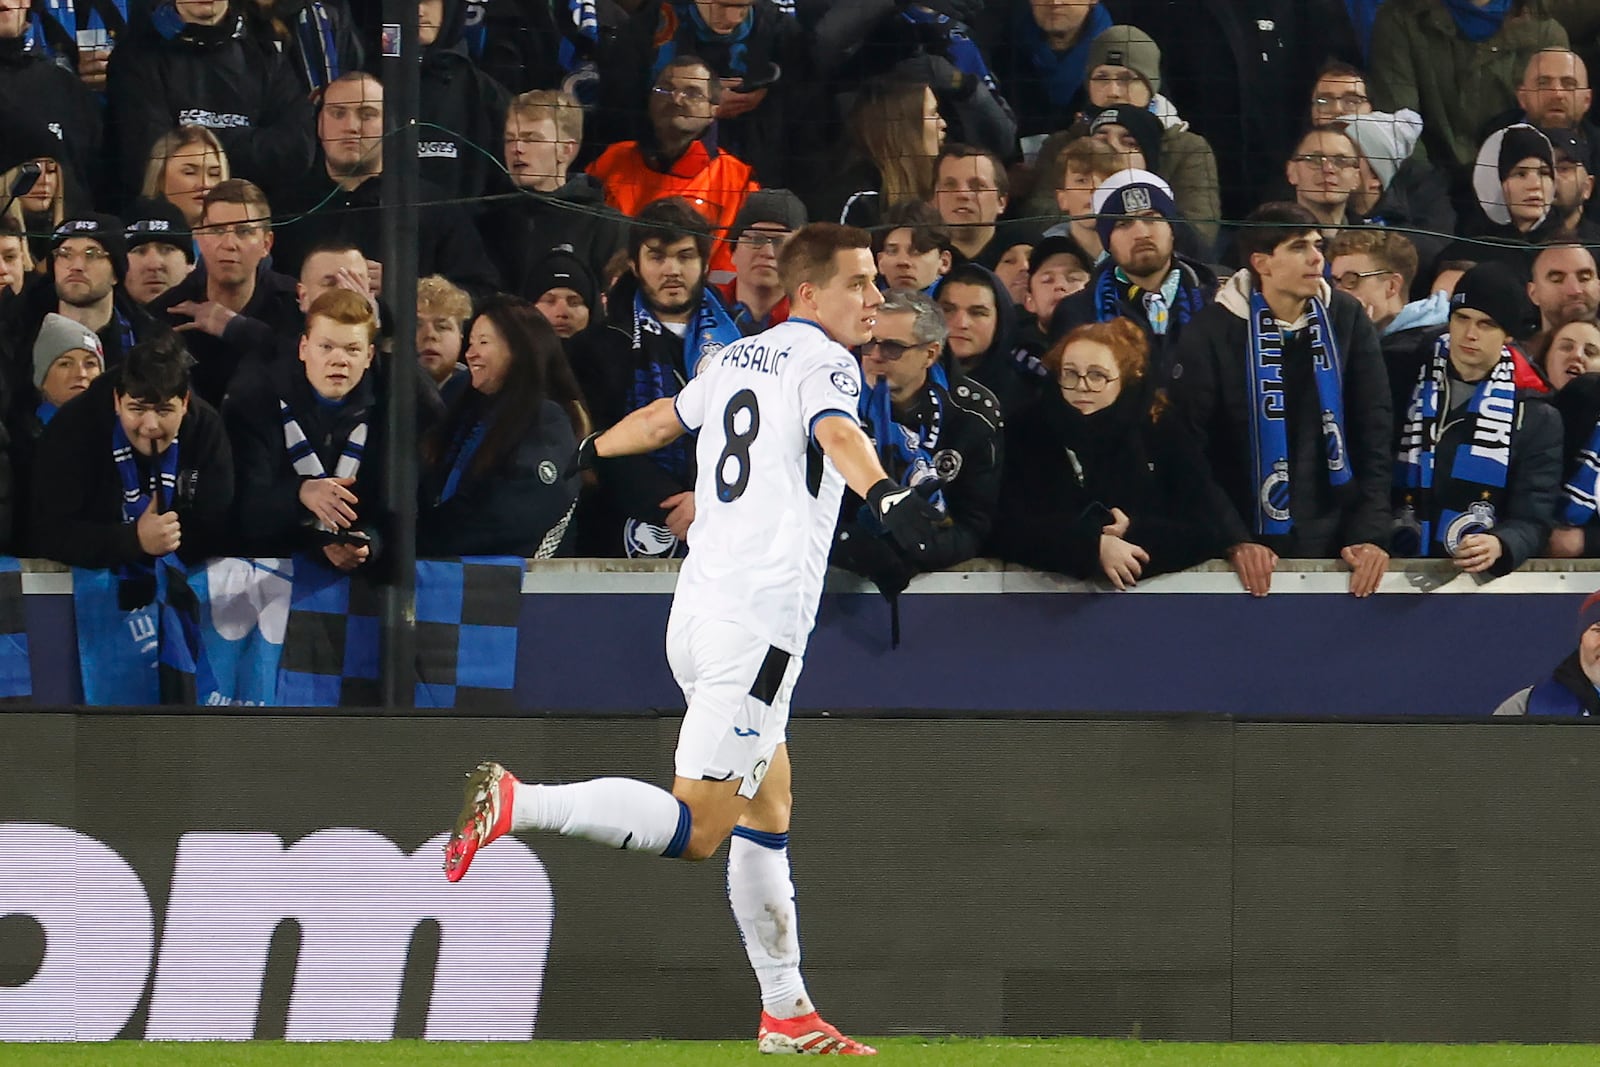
747 356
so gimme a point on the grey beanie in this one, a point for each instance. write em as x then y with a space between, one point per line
59 334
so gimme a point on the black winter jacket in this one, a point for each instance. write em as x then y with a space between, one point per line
251 338
468 104
220 77
968 457
1079 308
513 509
521 229
1209 386
57 100
447 244
77 493
1065 471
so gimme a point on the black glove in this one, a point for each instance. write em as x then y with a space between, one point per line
908 516
584 459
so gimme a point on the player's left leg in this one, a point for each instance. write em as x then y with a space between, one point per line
761 891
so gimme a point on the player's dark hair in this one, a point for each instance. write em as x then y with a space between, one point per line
810 255
156 370
668 221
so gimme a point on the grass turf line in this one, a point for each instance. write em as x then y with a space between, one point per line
941 1052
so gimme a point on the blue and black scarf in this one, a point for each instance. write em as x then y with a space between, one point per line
1582 487
319 53
906 452
1269 434
1431 517
181 662
307 464
1178 299
458 457
711 329
678 16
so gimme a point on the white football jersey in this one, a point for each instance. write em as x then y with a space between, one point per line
766 500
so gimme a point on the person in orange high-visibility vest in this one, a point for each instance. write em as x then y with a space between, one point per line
681 158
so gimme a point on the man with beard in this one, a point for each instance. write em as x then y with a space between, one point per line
160 249
1283 380
345 196
233 313
680 158
88 259
664 320
1142 278
1574 183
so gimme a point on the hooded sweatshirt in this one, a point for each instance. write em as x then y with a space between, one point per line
462 107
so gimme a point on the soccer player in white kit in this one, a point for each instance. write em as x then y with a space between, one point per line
778 440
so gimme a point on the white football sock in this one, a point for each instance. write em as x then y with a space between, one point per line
619 812
762 894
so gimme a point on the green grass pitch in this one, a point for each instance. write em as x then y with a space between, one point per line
940 1052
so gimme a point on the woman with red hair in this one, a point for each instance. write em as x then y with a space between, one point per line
1101 479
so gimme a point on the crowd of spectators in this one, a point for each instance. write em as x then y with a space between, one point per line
1167 280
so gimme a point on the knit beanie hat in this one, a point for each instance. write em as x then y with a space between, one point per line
1495 290
106 229
1129 192
1130 47
1385 140
1144 126
57 335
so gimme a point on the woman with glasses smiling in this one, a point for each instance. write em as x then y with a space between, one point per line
1101 478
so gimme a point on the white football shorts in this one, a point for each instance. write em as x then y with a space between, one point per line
738 689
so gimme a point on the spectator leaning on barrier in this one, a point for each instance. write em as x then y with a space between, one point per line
935 430
1478 470
232 313
755 297
1142 278
1456 63
494 477
1283 380
160 249
680 157
544 129
1573 688
1102 477
308 441
136 428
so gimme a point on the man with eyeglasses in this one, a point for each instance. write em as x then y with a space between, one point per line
232 312
936 430
1340 91
680 157
1377 267
755 296
1456 63
1324 172
88 262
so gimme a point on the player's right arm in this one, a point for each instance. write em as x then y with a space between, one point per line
908 517
646 429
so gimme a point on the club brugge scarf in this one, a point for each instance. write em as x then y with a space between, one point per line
1431 519
1061 73
711 329
1582 487
682 30
1567 692
308 464
906 452
1177 297
319 54
580 34
1269 434
181 664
